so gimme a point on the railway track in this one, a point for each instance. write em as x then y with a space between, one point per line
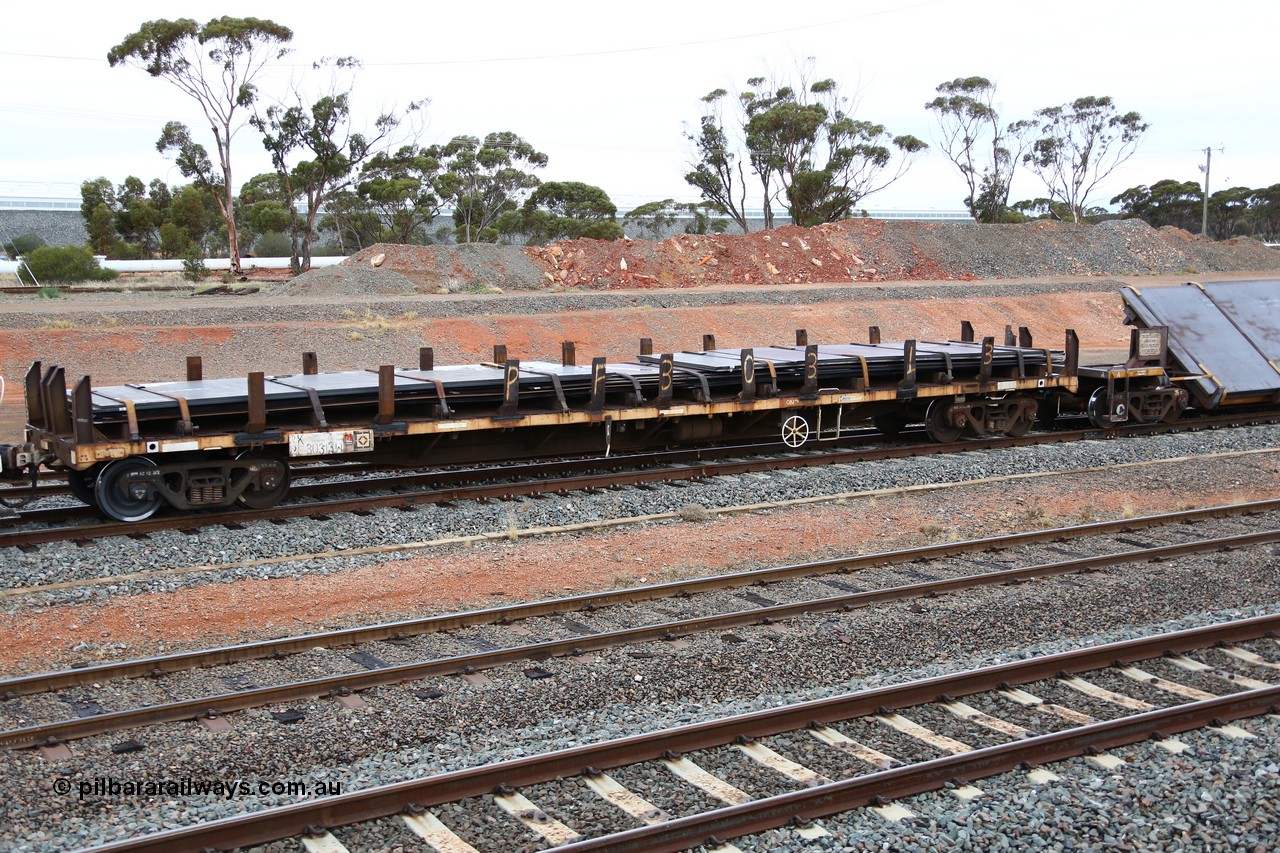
406 491
471 642
799 763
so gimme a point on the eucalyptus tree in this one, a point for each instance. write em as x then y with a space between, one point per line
1167 202
1265 204
399 186
974 138
807 149
485 179
1079 145
216 65
564 210
718 170
316 149
657 218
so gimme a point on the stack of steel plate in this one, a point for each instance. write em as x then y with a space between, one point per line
1224 337
543 384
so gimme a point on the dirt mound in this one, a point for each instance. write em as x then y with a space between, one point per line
856 250
388 269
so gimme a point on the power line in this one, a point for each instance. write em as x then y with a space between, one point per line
574 55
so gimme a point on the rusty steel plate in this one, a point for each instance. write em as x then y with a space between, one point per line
1213 333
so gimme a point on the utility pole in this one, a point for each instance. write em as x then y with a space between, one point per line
1204 216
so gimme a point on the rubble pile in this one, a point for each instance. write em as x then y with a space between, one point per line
856 250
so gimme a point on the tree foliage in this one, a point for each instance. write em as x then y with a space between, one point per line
1266 211
483 180
717 172
1167 202
656 218
805 147
23 245
399 187
62 265
1237 211
565 211
215 64
142 221
975 139
316 150
1079 145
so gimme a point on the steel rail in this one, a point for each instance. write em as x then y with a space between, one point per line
382 801
162 664
887 785
436 477
101 528
187 709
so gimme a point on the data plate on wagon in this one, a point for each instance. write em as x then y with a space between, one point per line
328 443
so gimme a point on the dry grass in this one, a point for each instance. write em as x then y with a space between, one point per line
367 322
695 512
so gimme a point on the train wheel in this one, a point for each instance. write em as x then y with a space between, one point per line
1023 422
1102 417
82 483
795 431
270 481
124 500
1020 426
890 423
938 426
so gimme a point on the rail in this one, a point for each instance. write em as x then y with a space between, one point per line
383 801
345 683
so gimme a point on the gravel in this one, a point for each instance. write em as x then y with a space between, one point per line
1220 794
234 311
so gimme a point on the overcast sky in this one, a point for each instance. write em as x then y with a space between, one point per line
607 90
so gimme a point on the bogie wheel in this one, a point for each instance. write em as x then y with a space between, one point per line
120 496
890 424
270 481
1019 427
82 483
1175 411
795 431
1023 422
1102 417
938 426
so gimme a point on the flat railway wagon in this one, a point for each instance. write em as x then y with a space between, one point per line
131 449
202 443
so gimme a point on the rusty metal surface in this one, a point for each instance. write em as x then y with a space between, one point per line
27 538
1207 335
287 821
